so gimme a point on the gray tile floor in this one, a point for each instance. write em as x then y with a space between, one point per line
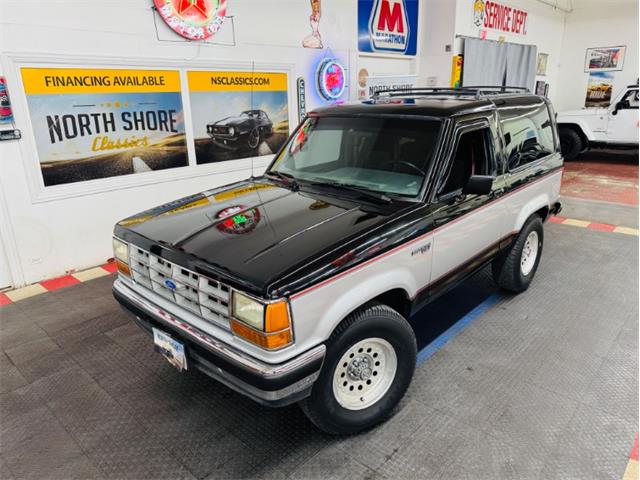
543 385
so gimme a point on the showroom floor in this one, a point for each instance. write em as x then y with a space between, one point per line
540 385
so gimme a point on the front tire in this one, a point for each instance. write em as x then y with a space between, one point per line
254 138
570 143
370 360
514 269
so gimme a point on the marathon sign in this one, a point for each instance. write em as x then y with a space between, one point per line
388 26
497 16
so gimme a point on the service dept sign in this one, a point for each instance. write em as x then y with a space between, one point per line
388 26
500 17
193 19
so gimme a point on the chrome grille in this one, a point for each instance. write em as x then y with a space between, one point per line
203 296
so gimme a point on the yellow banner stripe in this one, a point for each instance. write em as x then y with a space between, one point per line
38 81
236 81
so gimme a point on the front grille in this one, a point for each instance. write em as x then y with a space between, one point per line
203 296
221 130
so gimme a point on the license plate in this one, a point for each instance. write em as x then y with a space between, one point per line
171 349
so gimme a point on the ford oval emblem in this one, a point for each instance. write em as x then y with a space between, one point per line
170 284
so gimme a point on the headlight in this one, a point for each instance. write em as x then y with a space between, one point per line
232 131
248 310
266 325
121 254
120 250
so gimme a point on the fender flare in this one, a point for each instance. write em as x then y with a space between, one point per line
346 302
532 206
579 125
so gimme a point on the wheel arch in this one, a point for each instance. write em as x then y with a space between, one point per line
582 130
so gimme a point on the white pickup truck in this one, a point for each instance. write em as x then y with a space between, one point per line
613 127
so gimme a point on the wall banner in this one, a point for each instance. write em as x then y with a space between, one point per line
599 89
99 123
388 26
238 114
499 17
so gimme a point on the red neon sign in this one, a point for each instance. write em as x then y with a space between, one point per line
193 19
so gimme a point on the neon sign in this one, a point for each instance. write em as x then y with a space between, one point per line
193 19
331 79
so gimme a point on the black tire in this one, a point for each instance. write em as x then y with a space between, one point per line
257 138
506 268
570 143
373 320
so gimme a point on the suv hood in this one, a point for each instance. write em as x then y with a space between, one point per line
252 232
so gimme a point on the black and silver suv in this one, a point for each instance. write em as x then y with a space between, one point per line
296 286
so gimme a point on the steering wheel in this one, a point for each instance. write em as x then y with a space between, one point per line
406 164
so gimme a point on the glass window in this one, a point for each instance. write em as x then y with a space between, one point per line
528 134
473 156
388 155
629 101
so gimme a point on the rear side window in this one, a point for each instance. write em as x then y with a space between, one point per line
528 134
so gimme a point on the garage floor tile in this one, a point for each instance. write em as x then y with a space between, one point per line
542 385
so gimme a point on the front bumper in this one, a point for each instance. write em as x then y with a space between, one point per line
272 385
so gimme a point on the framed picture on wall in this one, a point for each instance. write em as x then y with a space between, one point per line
540 87
541 67
604 59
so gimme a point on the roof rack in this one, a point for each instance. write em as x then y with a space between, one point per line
475 91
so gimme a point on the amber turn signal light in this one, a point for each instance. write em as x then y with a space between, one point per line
123 268
270 341
276 317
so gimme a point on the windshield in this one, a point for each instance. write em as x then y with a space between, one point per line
387 155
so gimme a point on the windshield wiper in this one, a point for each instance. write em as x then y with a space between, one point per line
286 177
363 191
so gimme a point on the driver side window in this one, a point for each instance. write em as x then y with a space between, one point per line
471 157
629 101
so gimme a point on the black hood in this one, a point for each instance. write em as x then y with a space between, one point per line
252 232
233 121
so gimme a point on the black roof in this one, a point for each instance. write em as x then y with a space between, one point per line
430 105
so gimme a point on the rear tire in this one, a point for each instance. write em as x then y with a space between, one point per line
570 143
514 269
369 364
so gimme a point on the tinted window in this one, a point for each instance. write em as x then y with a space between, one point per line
473 156
528 134
389 155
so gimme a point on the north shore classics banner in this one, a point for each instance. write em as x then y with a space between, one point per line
98 123
238 114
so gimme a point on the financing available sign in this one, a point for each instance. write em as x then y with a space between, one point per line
489 15
388 26
97 123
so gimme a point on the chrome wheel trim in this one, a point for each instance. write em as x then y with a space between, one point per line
254 138
364 373
529 253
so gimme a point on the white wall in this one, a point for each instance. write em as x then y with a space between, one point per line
591 26
438 23
48 231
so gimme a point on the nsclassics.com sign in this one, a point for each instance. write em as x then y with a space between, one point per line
388 26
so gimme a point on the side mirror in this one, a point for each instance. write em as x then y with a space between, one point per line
479 185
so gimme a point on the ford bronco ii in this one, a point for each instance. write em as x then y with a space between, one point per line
296 286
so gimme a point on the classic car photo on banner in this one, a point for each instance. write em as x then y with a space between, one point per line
238 114
91 124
